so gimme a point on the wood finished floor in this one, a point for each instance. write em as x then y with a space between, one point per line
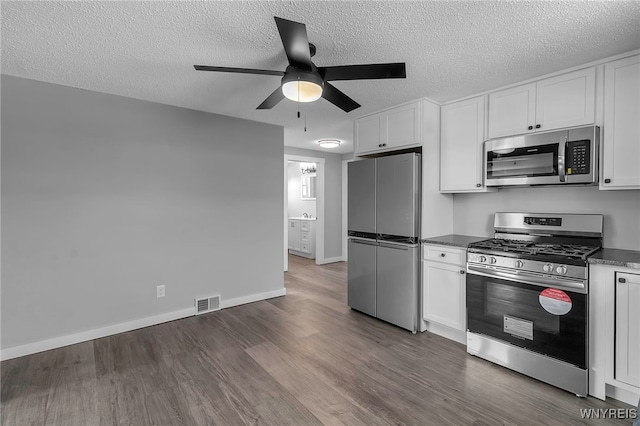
302 359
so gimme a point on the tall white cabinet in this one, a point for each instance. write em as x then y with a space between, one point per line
621 129
461 151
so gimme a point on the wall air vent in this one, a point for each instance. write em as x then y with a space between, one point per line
208 304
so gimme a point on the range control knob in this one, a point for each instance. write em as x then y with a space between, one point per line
548 267
561 269
482 259
492 260
519 263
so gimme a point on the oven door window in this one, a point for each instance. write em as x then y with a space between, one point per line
551 322
529 161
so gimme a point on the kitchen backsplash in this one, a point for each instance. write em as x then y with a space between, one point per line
473 213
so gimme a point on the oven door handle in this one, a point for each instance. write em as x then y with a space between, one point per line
529 278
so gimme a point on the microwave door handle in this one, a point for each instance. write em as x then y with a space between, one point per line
561 153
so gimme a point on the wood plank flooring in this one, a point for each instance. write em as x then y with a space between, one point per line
302 359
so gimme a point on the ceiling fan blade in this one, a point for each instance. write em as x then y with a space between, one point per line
238 70
338 98
363 72
272 100
295 42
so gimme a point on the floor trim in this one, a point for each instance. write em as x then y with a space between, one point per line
331 260
97 333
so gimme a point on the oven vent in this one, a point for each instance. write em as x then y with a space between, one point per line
208 304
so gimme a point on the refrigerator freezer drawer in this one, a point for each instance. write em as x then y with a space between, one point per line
397 285
361 273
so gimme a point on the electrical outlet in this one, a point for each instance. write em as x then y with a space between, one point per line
160 291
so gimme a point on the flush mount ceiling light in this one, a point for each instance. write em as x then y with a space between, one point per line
329 143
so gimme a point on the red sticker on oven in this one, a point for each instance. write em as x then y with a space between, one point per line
555 301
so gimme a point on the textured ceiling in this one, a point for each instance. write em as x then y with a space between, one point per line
452 49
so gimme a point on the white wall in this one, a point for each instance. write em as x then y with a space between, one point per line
473 213
332 198
296 204
105 197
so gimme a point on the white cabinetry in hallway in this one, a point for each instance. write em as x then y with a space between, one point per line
302 237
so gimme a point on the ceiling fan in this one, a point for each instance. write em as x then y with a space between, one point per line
303 81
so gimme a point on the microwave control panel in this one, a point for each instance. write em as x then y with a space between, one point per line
578 157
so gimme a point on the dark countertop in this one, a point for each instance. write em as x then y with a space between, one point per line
617 257
455 240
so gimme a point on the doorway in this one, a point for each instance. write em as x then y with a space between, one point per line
311 195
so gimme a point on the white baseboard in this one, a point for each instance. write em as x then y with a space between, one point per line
448 332
97 333
252 298
627 396
331 260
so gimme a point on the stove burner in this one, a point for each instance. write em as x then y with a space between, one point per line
533 248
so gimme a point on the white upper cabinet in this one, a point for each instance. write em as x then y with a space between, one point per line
389 130
621 129
512 111
566 100
461 153
368 133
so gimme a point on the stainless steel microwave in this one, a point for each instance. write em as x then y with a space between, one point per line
558 157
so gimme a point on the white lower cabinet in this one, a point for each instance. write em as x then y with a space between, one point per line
302 238
614 332
627 326
444 291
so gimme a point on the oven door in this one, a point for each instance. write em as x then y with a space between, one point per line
546 320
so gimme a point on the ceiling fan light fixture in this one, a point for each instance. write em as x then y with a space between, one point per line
329 143
301 86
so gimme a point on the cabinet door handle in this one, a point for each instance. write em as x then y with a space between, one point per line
607 181
461 272
622 280
530 128
384 144
478 185
538 126
379 145
442 255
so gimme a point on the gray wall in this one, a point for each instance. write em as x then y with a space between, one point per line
332 199
473 213
105 197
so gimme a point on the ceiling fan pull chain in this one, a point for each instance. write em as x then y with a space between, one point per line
298 97
305 122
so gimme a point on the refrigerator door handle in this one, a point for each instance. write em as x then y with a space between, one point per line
398 246
364 241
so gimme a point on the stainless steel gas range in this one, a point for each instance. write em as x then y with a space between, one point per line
527 295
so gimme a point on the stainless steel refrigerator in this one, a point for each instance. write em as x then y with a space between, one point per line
384 238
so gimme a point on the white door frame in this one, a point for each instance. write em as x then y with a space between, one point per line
345 204
319 206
